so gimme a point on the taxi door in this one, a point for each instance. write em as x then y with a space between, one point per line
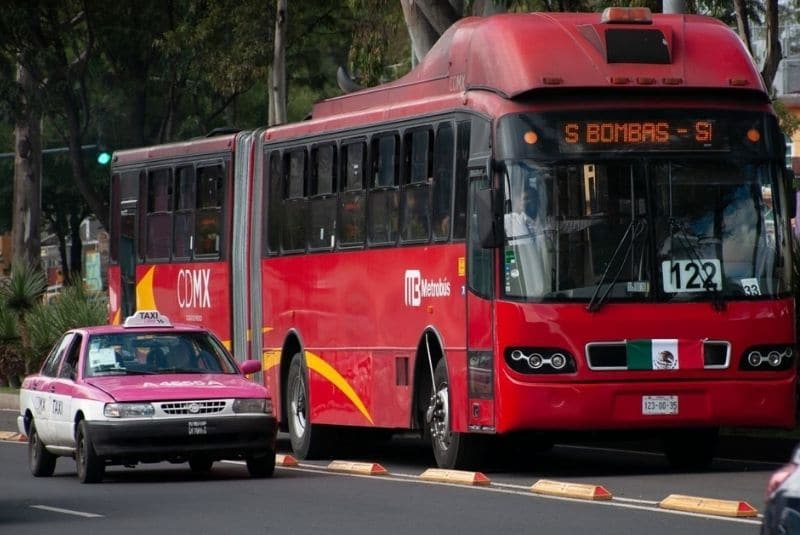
61 392
42 386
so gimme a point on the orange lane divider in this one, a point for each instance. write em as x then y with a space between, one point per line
563 489
366 469
285 460
459 477
696 504
12 436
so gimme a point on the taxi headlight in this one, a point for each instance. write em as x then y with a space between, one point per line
128 410
251 405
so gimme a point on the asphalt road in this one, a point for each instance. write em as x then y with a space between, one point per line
163 498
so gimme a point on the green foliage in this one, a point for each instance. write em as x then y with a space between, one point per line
45 323
23 288
789 122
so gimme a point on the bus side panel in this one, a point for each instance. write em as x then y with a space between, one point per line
197 292
613 399
361 316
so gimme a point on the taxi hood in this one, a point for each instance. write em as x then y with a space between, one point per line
177 386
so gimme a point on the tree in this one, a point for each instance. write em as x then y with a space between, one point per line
277 109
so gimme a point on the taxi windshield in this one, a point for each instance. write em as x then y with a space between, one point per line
139 353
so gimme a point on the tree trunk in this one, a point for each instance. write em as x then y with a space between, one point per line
774 53
278 93
743 23
423 35
75 250
27 178
95 202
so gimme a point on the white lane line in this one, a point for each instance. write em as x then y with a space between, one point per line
66 511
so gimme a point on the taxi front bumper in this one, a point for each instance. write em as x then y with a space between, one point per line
219 437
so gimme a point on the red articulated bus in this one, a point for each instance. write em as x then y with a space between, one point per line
555 223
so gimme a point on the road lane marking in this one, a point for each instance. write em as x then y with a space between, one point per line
66 511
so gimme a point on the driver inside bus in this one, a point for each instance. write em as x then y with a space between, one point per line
527 239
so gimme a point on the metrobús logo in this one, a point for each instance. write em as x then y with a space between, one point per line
416 288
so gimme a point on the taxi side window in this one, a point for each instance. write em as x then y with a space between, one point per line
70 365
50 368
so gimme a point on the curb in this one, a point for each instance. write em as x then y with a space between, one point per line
11 436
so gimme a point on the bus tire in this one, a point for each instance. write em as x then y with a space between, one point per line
41 462
690 449
451 449
91 466
306 438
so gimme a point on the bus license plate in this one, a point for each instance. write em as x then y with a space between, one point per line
659 404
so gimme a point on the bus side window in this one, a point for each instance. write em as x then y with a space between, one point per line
443 153
294 204
351 201
183 215
208 223
384 199
322 205
461 182
416 192
159 215
274 203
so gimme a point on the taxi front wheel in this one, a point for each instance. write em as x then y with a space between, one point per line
91 466
261 464
41 462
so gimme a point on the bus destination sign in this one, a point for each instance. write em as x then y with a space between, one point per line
658 135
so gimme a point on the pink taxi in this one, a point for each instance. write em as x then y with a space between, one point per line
145 392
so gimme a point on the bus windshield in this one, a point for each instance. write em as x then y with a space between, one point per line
642 229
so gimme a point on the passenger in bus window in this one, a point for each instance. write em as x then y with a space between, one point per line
525 230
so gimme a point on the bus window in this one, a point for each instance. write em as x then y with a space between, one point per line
351 203
294 228
183 216
461 180
322 205
273 231
442 181
384 196
159 217
416 194
208 225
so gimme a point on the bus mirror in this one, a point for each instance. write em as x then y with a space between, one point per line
488 223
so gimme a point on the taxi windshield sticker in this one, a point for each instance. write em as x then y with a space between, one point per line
102 357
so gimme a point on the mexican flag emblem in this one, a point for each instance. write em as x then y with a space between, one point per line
664 354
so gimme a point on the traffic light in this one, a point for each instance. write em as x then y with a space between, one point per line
103 154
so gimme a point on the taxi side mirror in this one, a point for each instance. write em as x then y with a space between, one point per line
250 366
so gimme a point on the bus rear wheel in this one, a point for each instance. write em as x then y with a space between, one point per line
306 438
451 449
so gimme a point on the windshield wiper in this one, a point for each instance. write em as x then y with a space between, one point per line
634 230
679 231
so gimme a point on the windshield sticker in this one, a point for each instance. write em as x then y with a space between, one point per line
638 287
102 357
702 275
750 286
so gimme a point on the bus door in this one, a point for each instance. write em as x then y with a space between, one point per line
127 211
481 368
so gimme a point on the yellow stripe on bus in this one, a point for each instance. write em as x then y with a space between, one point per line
144 291
327 371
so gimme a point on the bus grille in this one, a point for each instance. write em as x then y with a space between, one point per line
606 356
193 407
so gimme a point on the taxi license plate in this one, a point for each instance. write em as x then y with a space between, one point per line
659 404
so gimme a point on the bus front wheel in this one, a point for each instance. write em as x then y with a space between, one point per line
306 438
451 449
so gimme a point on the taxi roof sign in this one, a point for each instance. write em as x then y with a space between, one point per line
147 318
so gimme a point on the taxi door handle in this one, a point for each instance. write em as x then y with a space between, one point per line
52 389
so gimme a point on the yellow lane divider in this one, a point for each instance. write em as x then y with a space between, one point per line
459 477
578 491
367 469
696 504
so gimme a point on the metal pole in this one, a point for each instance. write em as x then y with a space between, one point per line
54 150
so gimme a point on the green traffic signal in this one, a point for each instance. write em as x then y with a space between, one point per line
103 157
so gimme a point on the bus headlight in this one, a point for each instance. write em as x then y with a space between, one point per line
768 358
754 358
128 410
539 360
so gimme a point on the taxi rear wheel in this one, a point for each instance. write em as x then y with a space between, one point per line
41 462
261 464
91 466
